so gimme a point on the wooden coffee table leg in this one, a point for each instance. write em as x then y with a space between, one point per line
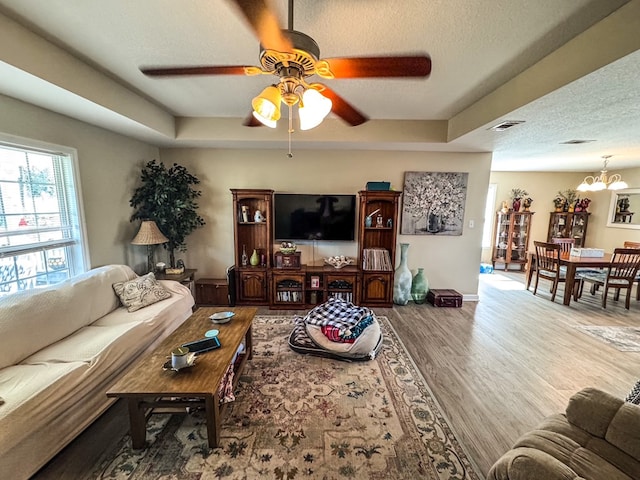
137 423
212 410
249 342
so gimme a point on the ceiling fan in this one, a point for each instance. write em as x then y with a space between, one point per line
293 57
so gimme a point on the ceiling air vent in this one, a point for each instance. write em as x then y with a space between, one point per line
576 142
502 126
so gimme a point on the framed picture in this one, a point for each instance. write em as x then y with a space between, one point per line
315 282
433 203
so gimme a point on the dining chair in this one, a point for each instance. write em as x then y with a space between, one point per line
566 244
548 266
620 274
635 245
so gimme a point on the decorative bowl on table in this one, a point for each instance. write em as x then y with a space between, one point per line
338 261
287 248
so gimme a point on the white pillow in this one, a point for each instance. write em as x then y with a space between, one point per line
140 292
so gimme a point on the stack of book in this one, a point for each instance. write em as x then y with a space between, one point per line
376 259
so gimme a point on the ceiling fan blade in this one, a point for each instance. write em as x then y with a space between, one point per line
363 67
344 110
252 121
264 22
207 70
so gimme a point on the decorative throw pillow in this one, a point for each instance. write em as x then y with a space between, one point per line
634 394
140 292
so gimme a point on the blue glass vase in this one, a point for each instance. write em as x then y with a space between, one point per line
402 279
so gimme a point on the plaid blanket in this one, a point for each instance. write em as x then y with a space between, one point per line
349 319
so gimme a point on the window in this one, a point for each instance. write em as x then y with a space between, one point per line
489 214
41 226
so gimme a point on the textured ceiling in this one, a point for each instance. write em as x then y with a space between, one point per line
492 60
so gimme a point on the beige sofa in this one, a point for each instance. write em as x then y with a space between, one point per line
60 349
597 438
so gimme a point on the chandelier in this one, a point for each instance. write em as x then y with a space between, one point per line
602 181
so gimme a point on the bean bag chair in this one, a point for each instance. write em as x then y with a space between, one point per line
337 329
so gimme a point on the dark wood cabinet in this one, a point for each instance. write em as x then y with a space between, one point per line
249 236
568 225
377 245
310 286
377 288
252 288
342 284
287 289
283 282
212 292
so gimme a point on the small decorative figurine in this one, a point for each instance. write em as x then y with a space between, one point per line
258 217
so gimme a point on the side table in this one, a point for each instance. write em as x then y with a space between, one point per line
187 278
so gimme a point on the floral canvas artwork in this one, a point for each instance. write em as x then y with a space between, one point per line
433 203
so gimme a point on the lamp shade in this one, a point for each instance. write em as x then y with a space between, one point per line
149 234
313 108
266 106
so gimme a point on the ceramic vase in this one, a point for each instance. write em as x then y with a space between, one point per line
255 259
516 205
419 287
402 279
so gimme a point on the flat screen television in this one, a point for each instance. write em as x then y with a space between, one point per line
314 217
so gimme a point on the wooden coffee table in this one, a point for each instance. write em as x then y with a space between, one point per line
146 386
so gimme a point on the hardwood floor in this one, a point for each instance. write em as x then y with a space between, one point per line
497 367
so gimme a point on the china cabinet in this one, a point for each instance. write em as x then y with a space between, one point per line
568 225
511 238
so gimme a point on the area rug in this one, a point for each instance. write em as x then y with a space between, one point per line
304 417
625 339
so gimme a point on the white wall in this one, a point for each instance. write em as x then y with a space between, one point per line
543 187
449 261
109 167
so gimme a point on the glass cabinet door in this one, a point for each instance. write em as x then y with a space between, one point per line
579 228
519 237
511 238
568 225
502 236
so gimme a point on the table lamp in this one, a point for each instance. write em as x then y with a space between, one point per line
149 235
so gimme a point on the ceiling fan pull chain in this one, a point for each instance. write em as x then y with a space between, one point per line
290 155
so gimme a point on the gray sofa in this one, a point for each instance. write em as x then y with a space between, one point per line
597 438
62 347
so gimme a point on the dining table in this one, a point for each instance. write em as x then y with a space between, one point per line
572 263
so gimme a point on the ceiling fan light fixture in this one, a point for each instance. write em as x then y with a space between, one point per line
313 109
266 106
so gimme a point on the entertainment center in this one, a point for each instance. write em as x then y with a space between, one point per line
267 276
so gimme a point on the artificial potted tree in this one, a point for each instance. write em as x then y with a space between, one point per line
167 197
